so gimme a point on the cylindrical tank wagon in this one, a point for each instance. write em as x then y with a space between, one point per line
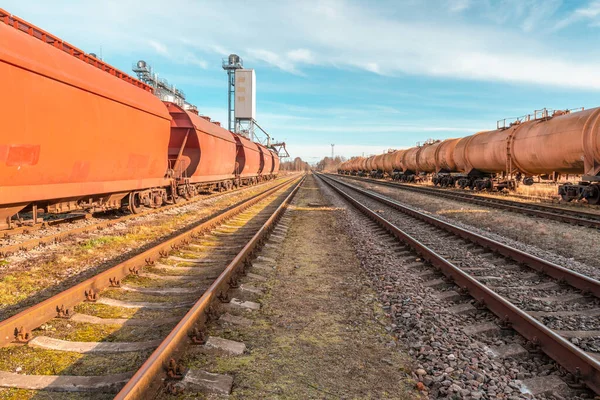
361 166
388 163
562 143
445 167
542 144
409 164
377 167
370 165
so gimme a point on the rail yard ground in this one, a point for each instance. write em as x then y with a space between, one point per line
565 244
330 306
27 277
322 331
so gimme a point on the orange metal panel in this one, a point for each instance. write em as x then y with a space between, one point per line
209 151
568 144
248 157
444 158
426 159
397 160
409 159
71 129
461 160
378 162
276 164
486 151
388 162
438 157
361 164
267 157
370 163
59 44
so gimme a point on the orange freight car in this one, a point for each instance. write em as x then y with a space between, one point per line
84 135
248 159
267 161
76 133
276 163
201 153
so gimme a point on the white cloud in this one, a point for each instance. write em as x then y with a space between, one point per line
589 12
190 58
301 55
391 39
160 48
537 13
457 6
388 128
314 153
274 59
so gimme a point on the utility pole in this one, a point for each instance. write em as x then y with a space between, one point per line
332 146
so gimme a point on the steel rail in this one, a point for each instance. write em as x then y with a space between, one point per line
144 382
26 229
46 310
57 237
562 351
591 220
560 273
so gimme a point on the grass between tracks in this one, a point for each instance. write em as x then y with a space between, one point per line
321 331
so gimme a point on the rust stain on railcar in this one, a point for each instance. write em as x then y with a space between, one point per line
20 155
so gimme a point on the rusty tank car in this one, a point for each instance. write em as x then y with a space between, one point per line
362 165
409 165
426 157
388 163
397 163
377 167
370 165
345 168
543 144
352 166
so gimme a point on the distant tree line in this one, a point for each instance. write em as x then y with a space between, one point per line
329 164
296 165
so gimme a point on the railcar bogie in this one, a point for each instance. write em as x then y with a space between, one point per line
590 191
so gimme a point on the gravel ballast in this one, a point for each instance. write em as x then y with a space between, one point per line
449 362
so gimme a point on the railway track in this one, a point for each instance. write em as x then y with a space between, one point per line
29 228
30 243
573 217
143 312
554 308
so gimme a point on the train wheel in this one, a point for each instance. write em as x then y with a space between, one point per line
566 198
592 194
135 205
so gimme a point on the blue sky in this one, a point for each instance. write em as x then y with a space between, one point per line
365 75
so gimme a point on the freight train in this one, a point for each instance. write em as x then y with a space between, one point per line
79 134
544 144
